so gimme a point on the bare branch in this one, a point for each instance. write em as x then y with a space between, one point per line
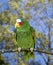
34 50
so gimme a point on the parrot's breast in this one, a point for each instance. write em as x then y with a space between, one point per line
24 39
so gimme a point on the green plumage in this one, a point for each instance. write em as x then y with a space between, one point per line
25 36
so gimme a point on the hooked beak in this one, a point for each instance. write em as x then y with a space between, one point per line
17 25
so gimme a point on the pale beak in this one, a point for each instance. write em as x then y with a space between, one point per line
17 25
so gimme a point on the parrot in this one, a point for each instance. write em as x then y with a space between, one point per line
25 36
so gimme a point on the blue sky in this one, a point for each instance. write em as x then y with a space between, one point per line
48 14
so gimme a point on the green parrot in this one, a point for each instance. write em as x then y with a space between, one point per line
25 36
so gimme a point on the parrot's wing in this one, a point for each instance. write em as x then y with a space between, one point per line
33 35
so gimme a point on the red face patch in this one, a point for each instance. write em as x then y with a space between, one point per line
20 23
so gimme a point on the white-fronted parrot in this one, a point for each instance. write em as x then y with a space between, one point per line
25 36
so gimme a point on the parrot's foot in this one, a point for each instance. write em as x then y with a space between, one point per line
31 49
19 49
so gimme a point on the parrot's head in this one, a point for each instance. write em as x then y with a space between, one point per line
18 23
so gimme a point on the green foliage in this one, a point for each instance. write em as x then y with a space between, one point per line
8 36
14 5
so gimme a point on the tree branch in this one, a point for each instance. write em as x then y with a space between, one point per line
25 50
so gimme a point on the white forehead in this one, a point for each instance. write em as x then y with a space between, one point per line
18 20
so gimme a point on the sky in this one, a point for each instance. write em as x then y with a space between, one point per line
48 14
